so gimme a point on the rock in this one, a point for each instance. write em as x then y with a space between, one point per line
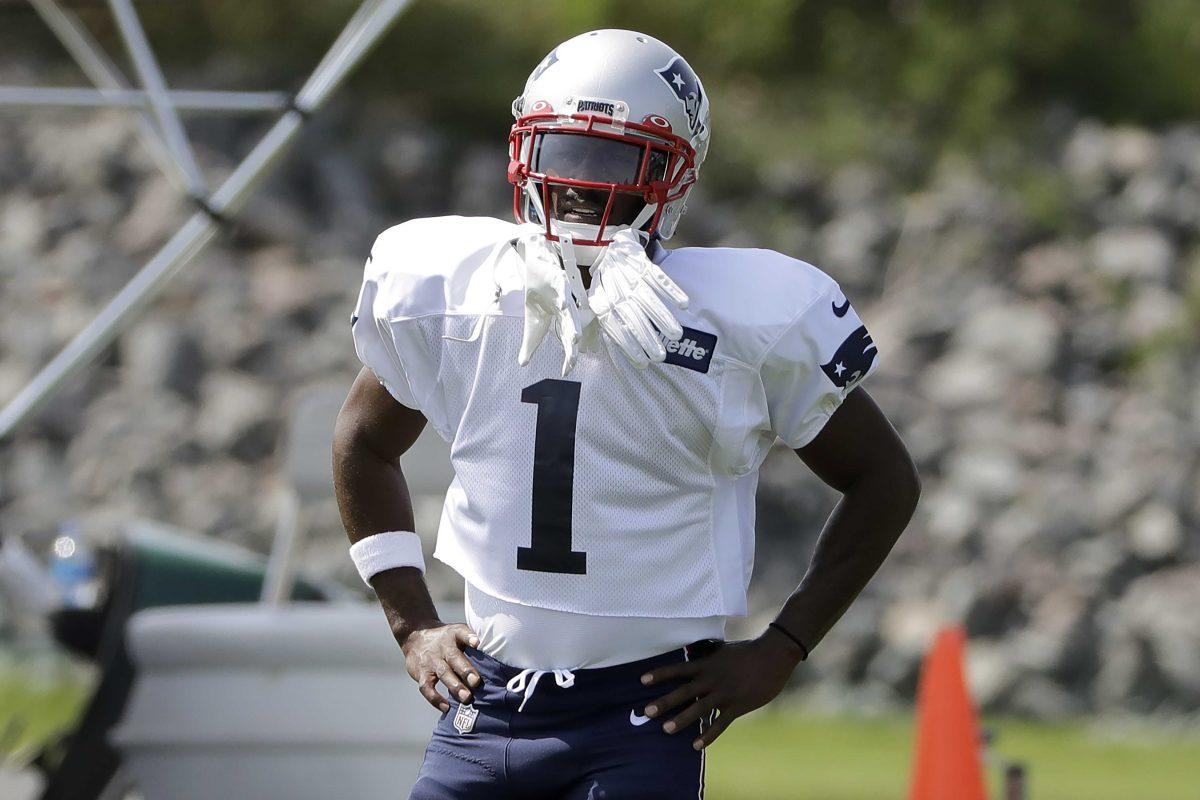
1155 312
927 438
992 674
1040 698
1085 156
1132 254
1021 336
157 213
896 670
1059 638
79 152
237 414
270 219
1181 152
279 283
37 470
1183 208
22 226
1155 533
995 608
989 474
794 180
1014 528
847 651
62 417
227 499
1147 198
348 197
852 243
126 436
908 626
961 380
1151 651
856 186
160 353
1057 266
951 516
1131 151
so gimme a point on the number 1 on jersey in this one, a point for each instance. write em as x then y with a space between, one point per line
557 404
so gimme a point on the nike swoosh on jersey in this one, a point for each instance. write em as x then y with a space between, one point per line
840 311
636 719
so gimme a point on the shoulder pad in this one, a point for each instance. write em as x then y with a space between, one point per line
428 266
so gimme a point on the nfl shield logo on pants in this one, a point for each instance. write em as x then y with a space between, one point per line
464 720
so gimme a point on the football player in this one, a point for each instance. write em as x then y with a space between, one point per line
602 510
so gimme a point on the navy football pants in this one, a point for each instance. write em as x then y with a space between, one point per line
578 742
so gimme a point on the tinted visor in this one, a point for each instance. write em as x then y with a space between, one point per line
595 158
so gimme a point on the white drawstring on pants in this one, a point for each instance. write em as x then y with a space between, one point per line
524 685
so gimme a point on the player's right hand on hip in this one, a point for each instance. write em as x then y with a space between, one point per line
434 655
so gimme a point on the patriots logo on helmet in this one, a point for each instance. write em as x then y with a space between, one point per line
547 62
686 86
852 359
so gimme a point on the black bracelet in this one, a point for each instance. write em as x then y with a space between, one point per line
800 644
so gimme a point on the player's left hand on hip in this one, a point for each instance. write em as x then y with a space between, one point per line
629 296
549 301
735 680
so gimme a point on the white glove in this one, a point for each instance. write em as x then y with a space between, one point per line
627 297
549 299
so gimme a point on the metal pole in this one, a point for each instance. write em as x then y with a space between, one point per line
197 231
156 87
278 578
90 57
183 100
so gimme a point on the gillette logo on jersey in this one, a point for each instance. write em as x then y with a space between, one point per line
694 349
686 86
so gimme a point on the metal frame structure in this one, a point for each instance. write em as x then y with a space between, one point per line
161 130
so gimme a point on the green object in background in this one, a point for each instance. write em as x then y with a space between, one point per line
176 568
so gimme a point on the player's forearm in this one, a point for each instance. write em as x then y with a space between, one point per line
373 497
857 538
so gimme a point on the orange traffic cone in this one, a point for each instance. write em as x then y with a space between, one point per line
947 763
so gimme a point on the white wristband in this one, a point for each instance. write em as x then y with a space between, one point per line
389 550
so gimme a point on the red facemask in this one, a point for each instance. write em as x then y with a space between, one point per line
590 169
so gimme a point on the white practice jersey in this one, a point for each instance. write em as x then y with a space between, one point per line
614 491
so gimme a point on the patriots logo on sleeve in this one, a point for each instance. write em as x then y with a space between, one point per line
683 82
852 360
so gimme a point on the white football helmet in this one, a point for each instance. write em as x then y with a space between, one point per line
610 133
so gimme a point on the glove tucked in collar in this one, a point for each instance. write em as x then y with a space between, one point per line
554 296
627 294
626 298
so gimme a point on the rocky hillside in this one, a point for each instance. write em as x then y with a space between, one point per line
1041 365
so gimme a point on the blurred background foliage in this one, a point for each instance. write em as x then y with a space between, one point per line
904 80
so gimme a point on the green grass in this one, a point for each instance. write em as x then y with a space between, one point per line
39 700
786 753
791 755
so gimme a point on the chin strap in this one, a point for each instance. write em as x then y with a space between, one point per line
643 217
553 225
